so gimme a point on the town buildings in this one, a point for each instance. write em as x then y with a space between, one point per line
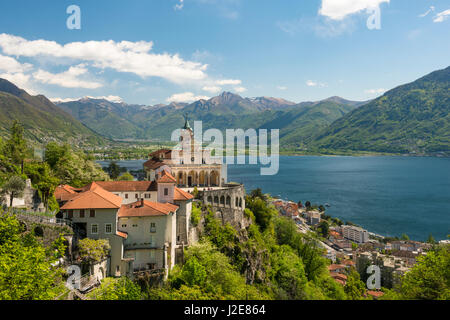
356 234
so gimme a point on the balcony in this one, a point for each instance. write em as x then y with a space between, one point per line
144 245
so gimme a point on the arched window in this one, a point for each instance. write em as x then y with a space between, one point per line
228 201
216 199
237 202
210 199
240 203
222 200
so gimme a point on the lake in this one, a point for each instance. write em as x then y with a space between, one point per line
386 195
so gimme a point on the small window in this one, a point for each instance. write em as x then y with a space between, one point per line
166 191
108 228
152 227
92 213
147 196
136 196
124 226
126 195
70 214
135 225
94 228
82 213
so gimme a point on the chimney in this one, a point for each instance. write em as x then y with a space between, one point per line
142 202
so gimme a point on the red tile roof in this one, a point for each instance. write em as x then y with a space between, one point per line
94 197
339 276
375 294
122 234
166 177
64 192
334 267
154 164
158 154
348 262
181 195
147 210
122 186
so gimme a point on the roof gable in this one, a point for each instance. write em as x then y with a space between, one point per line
94 198
146 209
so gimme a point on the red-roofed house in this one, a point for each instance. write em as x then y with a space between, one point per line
143 234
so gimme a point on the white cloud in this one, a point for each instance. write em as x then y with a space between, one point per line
313 83
375 91
180 5
11 65
124 56
339 9
427 13
21 80
441 16
115 99
185 97
212 89
282 88
229 82
67 79
240 89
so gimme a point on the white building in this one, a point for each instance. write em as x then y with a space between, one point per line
355 234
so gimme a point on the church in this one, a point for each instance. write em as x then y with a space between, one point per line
196 168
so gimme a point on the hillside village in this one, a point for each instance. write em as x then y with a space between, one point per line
141 230
348 246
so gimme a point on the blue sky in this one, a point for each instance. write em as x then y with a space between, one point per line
156 51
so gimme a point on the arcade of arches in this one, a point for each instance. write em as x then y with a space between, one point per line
197 177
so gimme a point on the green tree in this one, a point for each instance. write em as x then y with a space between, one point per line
27 269
429 279
43 180
257 193
404 237
117 289
93 251
14 187
324 228
193 273
196 215
263 213
16 146
71 167
113 170
126 177
354 287
431 239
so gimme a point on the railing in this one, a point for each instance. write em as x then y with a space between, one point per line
141 246
44 219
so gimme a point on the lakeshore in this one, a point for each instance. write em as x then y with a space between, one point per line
385 195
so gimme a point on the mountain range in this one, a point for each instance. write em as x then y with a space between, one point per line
412 118
297 122
43 121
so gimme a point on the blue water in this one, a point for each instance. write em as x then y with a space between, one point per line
386 195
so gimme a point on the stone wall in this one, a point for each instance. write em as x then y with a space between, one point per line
228 203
